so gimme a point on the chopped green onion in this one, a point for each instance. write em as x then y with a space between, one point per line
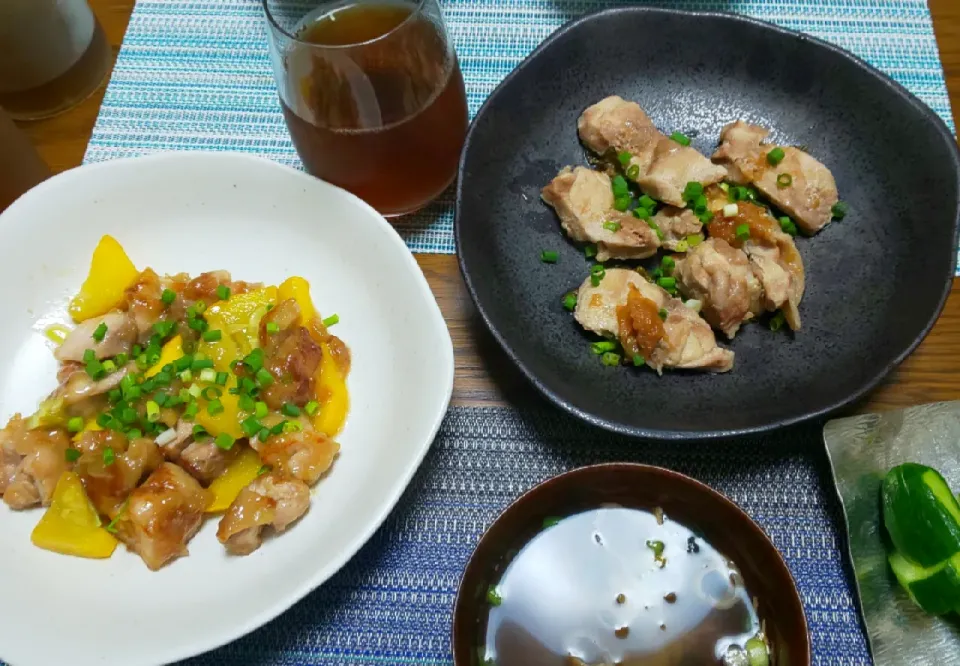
633 171
208 375
612 226
694 240
292 426
212 336
264 434
590 251
278 428
89 355
109 457
680 138
100 332
638 360
692 190
72 455
191 410
493 596
777 321
784 180
162 398
743 232
622 204
254 360
211 393
153 411
164 328
311 407
134 433
147 386
162 378
668 264
247 404
248 385
681 245
264 378
657 547
610 359
221 378
195 390
200 431
624 157
788 226
706 217
200 364
757 652
619 186
183 363
168 296
595 280
775 156
547 257
224 441
603 346
198 325
250 426
104 420
290 409
121 359
223 292
738 193
95 370
272 327
570 301
75 424
114 395
663 314
136 351
731 210
127 415
331 320
839 210
667 282
647 202
112 525
724 186
641 213
186 376
656 228
261 409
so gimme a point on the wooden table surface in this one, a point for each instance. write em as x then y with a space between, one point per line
484 376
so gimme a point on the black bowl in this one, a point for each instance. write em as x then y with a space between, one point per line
876 281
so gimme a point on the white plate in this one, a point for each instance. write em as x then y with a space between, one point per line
263 222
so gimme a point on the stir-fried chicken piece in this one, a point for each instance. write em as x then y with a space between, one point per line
664 167
799 185
173 442
110 478
676 225
31 462
305 455
722 279
773 254
271 499
162 515
291 355
583 199
649 322
142 299
120 337
76 385
205 461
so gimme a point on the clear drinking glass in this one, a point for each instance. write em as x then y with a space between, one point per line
372 94
53 54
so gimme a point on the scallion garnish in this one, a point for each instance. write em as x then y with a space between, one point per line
254 360
570 301
221 379
680 138
603 346
743 232
590 251
622 204
641 213
75 424
109 457
250 426
624 157
493 596
667 265
610 359
633 171
611 226
95 370
290 409
72 455
647 202
775 156
619 186
331 320
261 409
777 321
211 393
208 375
212 336
264 378
638 360
200 364
311 407
663 314
168 296
839 210
788 226
100 332
272 327
692 190
549 256
153 411
164 328
784 180
224 441
191 410
223 292
89 355
214 407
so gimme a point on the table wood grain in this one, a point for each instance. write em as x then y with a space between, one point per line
484 376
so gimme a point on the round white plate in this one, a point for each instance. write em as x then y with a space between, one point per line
263 222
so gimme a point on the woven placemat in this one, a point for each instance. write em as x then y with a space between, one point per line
195 74
392 604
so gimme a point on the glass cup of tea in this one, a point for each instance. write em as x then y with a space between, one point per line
53 55
372 94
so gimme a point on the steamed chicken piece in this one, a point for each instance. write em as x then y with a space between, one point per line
722 279
162 515
583 199
109 485
773 255
270 500
811 192
120 336
31 462
664 166
628 307
676 225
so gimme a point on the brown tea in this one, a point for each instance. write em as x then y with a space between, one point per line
383 112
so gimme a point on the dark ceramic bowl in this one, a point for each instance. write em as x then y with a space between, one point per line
876 281
689 502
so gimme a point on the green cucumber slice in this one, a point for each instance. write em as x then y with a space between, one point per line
921 514
935 589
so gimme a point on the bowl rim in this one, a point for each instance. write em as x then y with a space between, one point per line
634 469
701 435
444 389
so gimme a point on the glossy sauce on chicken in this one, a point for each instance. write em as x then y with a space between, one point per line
764 230
639 324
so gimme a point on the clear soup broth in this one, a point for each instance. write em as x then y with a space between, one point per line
621 586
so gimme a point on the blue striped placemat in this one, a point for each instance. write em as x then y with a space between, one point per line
195 74
392 604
